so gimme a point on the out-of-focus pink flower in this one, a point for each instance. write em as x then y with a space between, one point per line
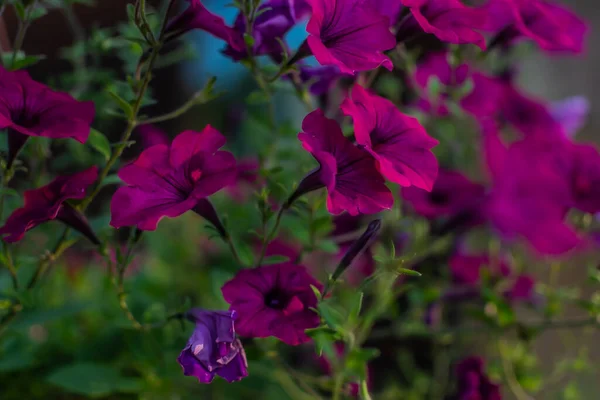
449 20
585 177
398 142
466 268
349 173
150 136
553 27
349 34
352 388
571 113
248 178
452 193
473 383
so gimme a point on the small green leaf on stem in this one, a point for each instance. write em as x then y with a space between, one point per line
100 143
122 103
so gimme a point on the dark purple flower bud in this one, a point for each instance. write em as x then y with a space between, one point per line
48 203
29 108
213 348
357 248
274 300
473 383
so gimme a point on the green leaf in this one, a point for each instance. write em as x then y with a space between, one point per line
409 272
100 143
93 380
122 103
21 61
356 306
332 316
37 12
257 97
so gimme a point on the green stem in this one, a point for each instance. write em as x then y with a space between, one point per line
337 387
47 260
10 266
23 26
173 114
268 238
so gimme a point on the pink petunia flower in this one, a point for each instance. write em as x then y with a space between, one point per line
349 34
28 108
167 181
50 202
553 27
275 300
449 20
398 142
349 173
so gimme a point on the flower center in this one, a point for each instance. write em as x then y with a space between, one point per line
438 198
276 299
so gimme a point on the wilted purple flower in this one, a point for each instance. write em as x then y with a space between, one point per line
213 348
275 300
349 34
449 20
473 383
398 142
571 113
50 202
196 16
167 181
553 27
452 193
275 19
29 108
348 172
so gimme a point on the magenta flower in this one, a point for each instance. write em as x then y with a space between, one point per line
522 289
196 16
349 173
449 20
50 202
553 27
274 21
320 79
398 142
28 108
150 136
473 383
388 8
349 34
167 181
531 193
275 300
451 194
585 178
483 100
213 348
466 268
571 113
247 178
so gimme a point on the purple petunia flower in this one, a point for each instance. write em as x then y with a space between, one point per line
274 21
349 34
50 202
452 193
167 181
29 108
398 142
348 172
571 113
522 289
449 20
196 16
213 348
389 8
275 300
553 27
473 383
150 136
320 79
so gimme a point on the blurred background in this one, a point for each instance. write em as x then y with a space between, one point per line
549 77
